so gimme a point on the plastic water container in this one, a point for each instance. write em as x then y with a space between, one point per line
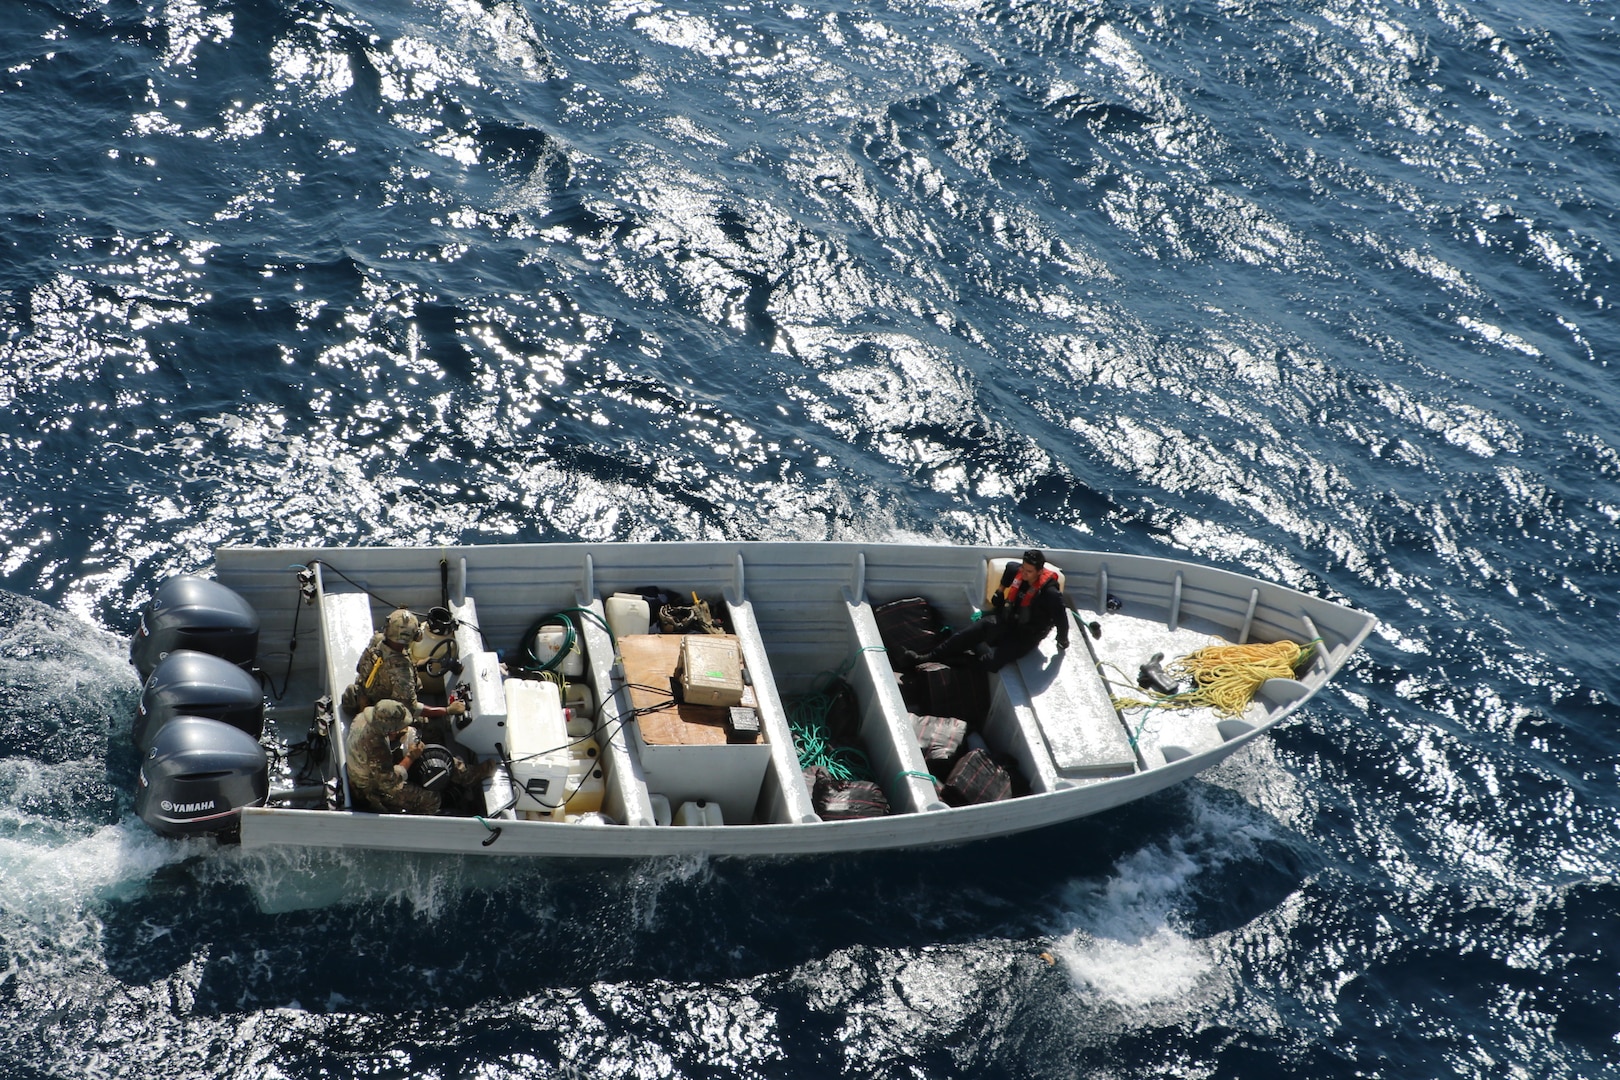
628 613
579 725
431 655
587 788
549 641
579 698
660 808
701 812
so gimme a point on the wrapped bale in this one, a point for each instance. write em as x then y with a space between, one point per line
940 740
976 778
941 690
841 800
908 624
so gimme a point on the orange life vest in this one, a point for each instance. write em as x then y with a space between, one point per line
1017 596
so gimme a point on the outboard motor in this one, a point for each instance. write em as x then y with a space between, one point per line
198 775
191 683
194 613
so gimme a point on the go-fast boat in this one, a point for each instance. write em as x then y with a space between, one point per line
613 740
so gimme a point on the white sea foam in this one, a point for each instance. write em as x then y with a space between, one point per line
1126 947
43 884
1126 943
303 879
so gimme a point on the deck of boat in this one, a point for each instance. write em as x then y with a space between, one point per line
799 610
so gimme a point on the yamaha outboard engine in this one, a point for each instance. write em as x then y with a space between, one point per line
198 776
194 613
191 683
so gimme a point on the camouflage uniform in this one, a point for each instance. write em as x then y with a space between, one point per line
371 763
395 679
391 675
384 670
355 696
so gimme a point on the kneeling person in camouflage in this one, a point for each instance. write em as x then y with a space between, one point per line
385 671
372 771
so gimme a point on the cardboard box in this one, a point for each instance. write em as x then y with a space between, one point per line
711 670
652 665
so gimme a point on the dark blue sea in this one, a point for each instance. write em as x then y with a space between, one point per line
1320 290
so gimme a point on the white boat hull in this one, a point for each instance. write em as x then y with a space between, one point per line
797 609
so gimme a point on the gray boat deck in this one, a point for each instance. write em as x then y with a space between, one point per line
799 608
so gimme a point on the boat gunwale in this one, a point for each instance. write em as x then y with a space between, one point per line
938 826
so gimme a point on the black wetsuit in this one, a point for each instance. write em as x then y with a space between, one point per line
1014 626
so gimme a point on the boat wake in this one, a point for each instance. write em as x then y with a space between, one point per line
1129 945
66 694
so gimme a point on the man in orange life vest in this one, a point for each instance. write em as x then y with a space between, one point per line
1028 604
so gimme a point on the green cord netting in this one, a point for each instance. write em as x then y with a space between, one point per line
807 715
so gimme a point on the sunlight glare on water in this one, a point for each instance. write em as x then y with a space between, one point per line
1322 293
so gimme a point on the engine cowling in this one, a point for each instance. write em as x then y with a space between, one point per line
198 775
197 614
191 683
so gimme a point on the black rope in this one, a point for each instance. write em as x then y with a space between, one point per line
355 583
292 652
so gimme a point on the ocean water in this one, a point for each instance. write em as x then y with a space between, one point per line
1322 291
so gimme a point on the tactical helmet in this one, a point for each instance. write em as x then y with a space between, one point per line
389 711
402 628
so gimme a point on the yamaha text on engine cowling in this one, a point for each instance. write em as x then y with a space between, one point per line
198 775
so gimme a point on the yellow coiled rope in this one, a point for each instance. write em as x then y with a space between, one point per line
1226 677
